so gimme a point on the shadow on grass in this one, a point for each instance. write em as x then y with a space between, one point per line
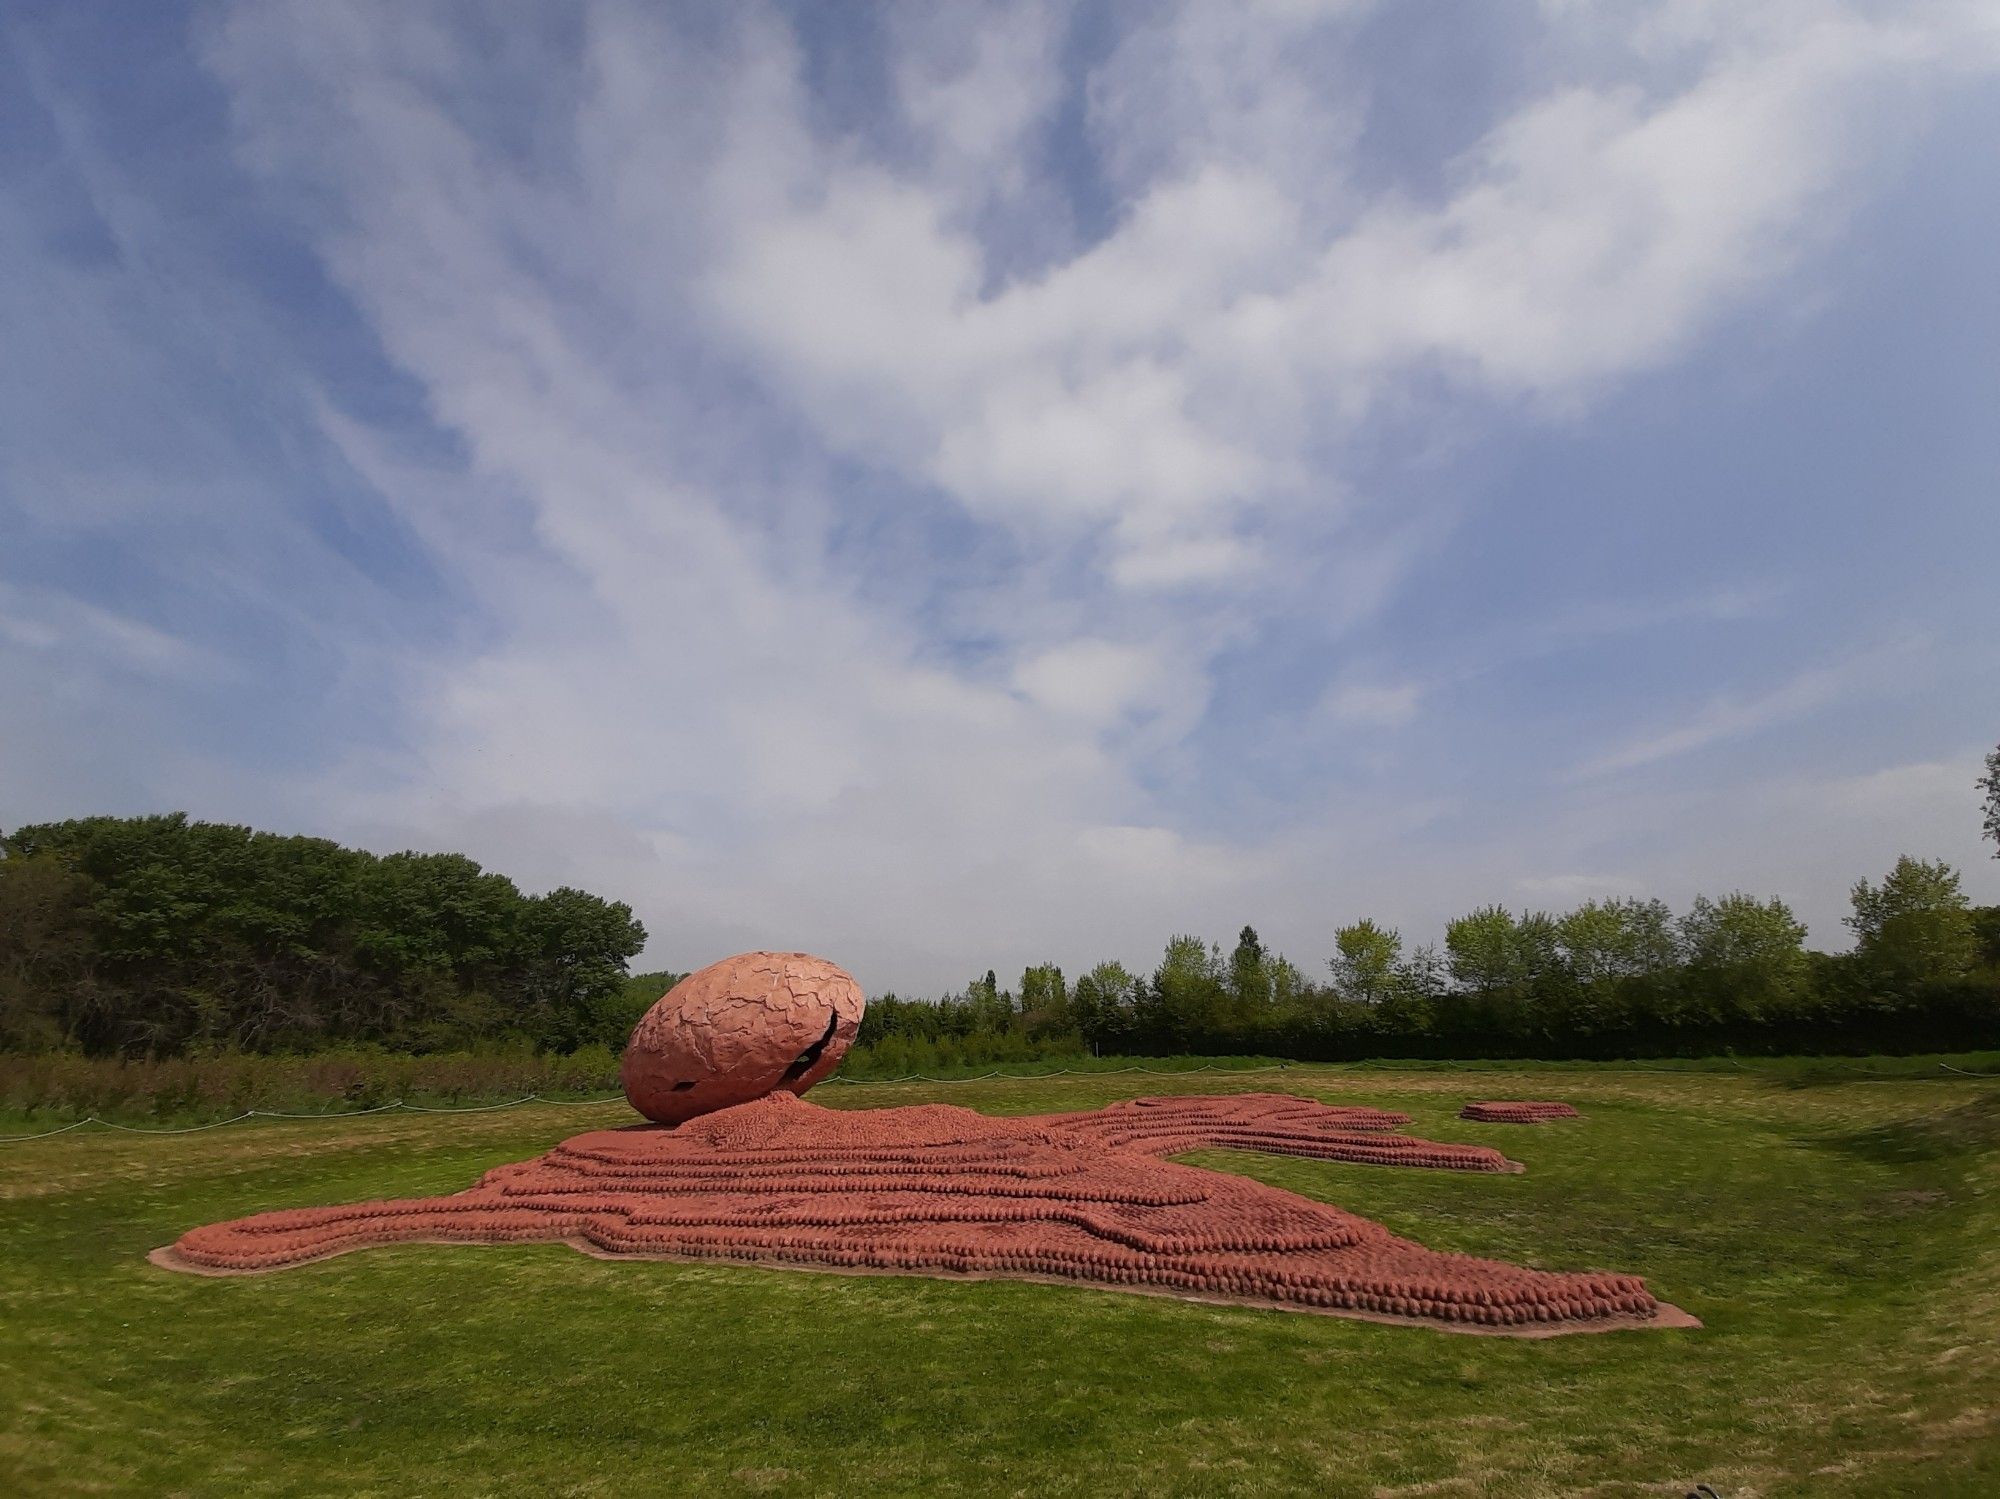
1947 1137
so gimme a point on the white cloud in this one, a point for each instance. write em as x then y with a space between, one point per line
1159 385
1733 717
1809 838
1893 794
44 620
1098 681
684 672
1573 889
977 95
1375 705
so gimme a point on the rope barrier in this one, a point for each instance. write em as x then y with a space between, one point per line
192 1129
515 1103
475 1108
1028 1077
911 1077
1515 1065
65 1129
380 1108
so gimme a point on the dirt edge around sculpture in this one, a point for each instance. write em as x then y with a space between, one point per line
1087 1200
1667 1317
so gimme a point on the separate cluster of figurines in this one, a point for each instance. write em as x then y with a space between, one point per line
737 1166
1518 1111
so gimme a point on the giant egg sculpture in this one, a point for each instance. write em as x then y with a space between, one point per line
739 1029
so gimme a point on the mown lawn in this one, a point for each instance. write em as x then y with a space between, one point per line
1841 1240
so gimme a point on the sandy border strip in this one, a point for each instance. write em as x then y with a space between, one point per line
1668 1316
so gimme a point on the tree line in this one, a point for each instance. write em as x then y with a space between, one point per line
1610 978
156 936
160 936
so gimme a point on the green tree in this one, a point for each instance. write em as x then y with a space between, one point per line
1250 975
1538 956
1366 962
1189 996
1916 926
1424 974
1605 941
988 1007
1620 956
44 948
1045 1006
573 950
197 933
1102 1004
1408 1010
1743 956
613 1016
1290 988
1990 784
1484 951
1498 966
1986 932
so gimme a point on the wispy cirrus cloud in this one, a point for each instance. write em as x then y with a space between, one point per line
928 489
1724 718
47 620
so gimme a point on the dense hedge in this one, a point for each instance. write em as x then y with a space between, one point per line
1954 1016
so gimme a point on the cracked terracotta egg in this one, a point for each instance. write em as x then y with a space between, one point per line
739 1029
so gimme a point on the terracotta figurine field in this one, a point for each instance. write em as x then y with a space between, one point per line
737 1166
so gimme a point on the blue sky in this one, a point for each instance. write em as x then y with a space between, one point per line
958 487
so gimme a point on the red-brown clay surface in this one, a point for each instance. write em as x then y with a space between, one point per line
737 1030
939 1190
1516 1112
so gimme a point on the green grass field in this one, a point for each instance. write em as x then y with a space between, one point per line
1841 1240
